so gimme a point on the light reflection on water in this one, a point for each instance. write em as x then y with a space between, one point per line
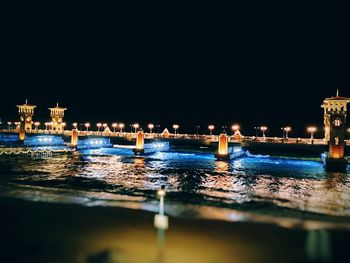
256 183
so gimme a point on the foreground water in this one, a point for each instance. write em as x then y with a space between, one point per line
288 192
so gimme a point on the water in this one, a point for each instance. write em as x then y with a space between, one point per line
288 192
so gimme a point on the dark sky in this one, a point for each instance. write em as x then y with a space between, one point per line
192 65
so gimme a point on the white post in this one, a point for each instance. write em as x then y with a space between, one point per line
161 205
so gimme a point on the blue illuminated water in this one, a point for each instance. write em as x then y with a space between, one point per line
197 185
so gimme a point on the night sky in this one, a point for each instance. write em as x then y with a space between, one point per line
256 65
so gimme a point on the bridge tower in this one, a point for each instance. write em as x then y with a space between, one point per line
26 112
335 110
57 114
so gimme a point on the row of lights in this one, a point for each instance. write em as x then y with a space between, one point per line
36 124
135 126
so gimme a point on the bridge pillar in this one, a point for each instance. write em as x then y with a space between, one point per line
140 143
335 111
22 135
222 153
74 138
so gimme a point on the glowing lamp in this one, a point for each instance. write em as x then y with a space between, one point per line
211 128
235 127
336 152
161 192
150 127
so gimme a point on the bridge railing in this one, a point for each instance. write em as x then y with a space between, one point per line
213 138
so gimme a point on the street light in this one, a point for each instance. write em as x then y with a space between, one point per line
175 127
311 130
87 125
114 125
150 127
263 129
36 124
235 127
197 127
75 125
136 126
211 128
286 130
256 128
17 123
98 126
104 126
121 126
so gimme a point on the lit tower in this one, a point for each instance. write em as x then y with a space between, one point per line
335 109
57 114
26 112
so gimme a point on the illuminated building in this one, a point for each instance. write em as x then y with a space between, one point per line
335 110
57 114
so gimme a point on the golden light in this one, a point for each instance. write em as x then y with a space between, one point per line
140 140
175 127
121 126
74 137
150 127
114 125
99 125
211 128
287 129
337 152
235 127
105 125
223 144
63 124
135 125
311 129
75 125
36 124
87 125
161 192
263 128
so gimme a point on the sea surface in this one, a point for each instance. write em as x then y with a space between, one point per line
290 192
